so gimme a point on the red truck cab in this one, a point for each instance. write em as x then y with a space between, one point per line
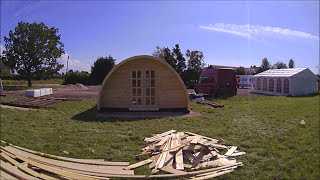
217 82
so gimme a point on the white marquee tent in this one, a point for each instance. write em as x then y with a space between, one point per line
283 82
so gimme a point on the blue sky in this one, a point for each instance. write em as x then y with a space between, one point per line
236 33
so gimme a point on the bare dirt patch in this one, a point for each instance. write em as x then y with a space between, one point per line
77 91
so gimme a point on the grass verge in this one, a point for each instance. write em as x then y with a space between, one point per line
266 127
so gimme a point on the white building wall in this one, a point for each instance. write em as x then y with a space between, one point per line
254 86
303 86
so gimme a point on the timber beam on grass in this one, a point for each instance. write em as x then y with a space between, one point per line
215 105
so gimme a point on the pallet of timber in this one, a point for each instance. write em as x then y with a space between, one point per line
179 152
32 102
215 105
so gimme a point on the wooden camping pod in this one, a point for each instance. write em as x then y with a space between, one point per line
143 83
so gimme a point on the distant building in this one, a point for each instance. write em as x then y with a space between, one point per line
249 70
283 82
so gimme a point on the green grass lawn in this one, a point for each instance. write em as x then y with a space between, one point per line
17 87
24 82
266 127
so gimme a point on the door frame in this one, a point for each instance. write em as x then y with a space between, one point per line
143 106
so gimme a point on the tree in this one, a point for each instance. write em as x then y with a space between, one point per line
101 68
33 49
265 64
74 77
158 52
168 57
280 65
240 71
195 61
195 64
180 60
291 64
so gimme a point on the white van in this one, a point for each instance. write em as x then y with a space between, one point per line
243 80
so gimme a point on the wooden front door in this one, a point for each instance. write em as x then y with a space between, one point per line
143 89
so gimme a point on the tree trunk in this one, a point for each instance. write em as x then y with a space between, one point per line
29 82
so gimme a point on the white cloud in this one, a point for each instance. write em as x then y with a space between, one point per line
74 64
256 31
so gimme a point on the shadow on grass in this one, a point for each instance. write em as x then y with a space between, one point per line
223 97
308 95
91 115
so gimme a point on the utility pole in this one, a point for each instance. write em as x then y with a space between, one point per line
65 76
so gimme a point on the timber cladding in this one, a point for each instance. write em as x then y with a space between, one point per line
143 83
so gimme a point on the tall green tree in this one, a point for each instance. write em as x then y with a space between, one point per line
101 67
168 57
240 71
33 49
280 65
165 54
179 58
291 64
195 64
195 60
265 64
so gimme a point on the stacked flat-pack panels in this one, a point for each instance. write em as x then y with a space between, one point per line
38 92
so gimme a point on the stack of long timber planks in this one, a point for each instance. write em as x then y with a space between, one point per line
180 152
21 163
32 102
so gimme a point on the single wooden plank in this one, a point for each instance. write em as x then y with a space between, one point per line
198 159
176 143
13 171
217 162
7 176
238 154
169 160
214 145
204 137
179 160
25 168
231 150
163 140
163 158
195 140
141 163
212 175
173 171
193 148
153 138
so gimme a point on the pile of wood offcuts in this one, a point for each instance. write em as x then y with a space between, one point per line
184 153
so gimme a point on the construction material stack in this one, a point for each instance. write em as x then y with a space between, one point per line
181 152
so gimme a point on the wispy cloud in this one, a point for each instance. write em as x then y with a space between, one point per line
74 64
256 31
